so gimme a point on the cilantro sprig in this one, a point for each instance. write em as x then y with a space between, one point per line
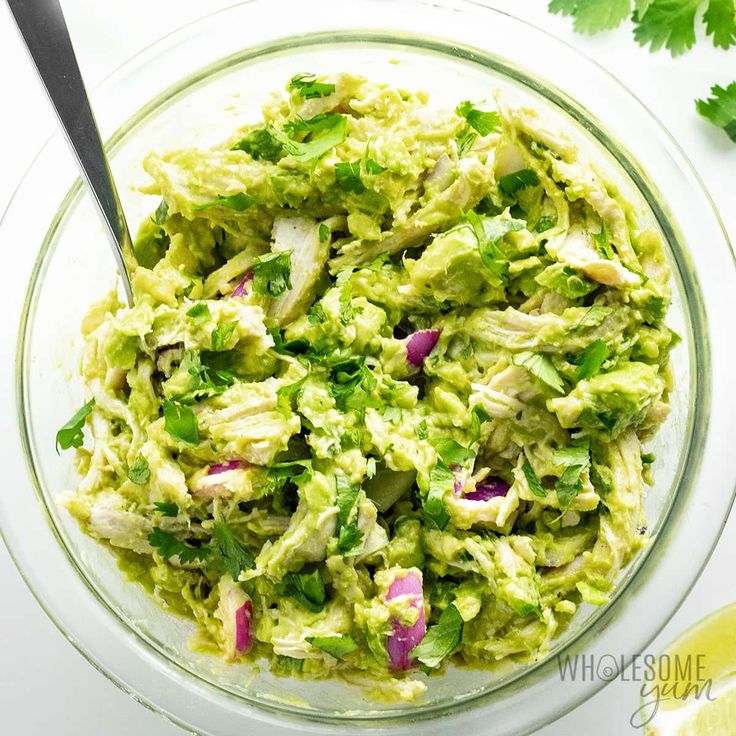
272 273
72 433
720 108
657 23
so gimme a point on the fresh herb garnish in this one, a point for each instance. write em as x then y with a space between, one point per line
576 459
372 167
261 145
349 537
139 472
481 121
658 23
231 556
720 108
478 417
238 202
335 646
166 509
324 233
307 589
169 546
421 430
452 452
347 177
532 481
199 313
441 640
541 366
221 335
161 213
544 223
72 433
316 314
314 146
441 481
181 423
272 273
489 231
591 360
512 183
308 87
602 242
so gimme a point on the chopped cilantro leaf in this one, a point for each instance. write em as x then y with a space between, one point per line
441 481
324 233
441 640
272 273
452 452
261 145
181 423
167 509
307 589
199 313
347 176
238 202
512 183
372 167
308 87
572 455
323 121
291 347
72 433
720 108
349 537
316 314
478 416
169 546
232 557
335 646
602 242
204 380
465 140
221 335
161 213
589 362
569 485
532 481
481 121
314 146
421 430
139 472
541 366
544 223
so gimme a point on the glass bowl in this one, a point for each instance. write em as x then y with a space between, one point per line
192 88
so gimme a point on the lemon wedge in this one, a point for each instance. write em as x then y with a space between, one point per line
695 681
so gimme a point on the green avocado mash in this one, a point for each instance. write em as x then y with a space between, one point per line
386 381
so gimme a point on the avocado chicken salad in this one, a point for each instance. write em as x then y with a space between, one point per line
379 406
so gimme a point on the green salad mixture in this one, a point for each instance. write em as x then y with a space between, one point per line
380 403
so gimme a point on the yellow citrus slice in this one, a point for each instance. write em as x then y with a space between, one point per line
694 681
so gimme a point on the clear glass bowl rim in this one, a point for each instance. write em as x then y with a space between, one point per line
679 499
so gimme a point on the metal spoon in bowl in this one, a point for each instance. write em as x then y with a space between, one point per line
43 28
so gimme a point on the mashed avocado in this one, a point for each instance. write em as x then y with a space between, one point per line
379 404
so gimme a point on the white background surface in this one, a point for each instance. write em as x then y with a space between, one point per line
45 685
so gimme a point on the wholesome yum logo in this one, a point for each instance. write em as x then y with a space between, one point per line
666 677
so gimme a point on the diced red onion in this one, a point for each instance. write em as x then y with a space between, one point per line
225 467
239 290
244 627
405 638
420 345
491 488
